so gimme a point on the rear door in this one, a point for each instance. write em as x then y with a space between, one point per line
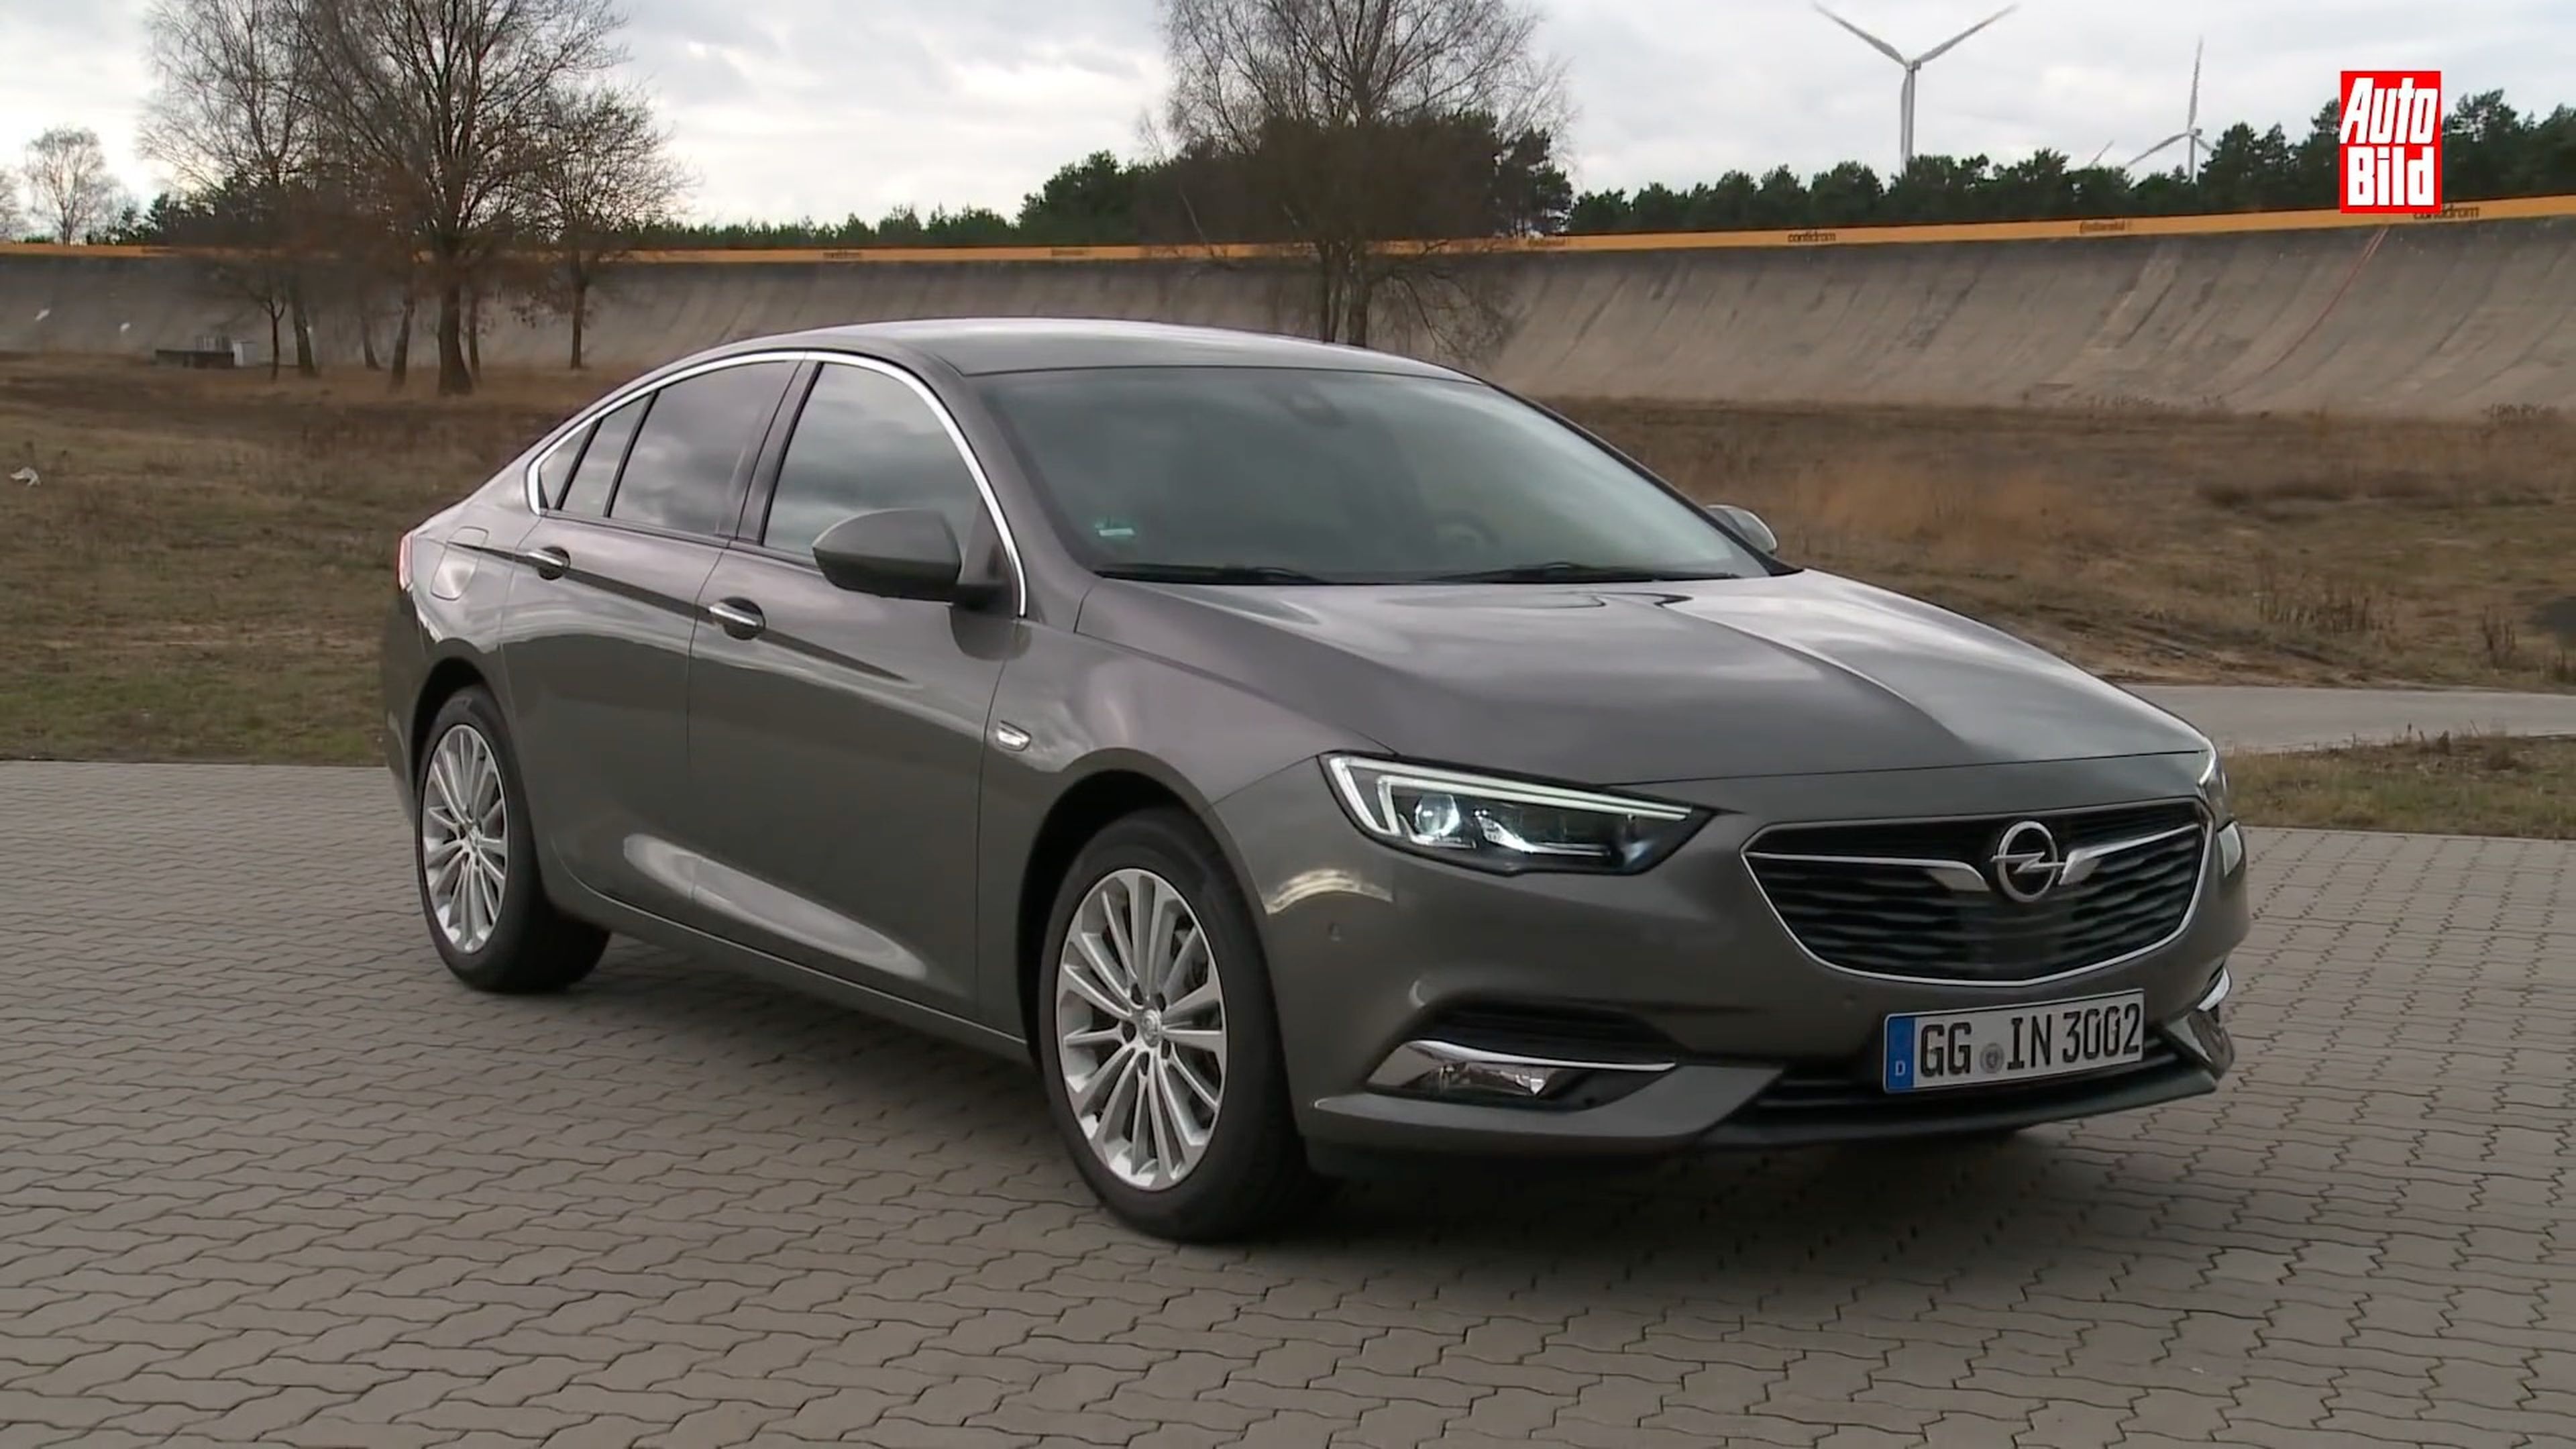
835 743
596 645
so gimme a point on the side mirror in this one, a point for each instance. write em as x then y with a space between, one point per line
1748 524
898 553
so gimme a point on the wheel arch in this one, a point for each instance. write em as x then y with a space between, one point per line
447 677
1108 789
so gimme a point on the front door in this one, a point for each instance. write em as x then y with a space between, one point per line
836 739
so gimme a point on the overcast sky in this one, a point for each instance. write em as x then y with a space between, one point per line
822 107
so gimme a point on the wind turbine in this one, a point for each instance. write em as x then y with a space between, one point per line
1913 68
2190 132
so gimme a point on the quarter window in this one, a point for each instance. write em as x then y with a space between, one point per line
867 442
595 476
555 470
680 473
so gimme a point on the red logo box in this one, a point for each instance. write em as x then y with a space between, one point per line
2389 149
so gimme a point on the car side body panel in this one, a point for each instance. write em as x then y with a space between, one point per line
720 951
599 664
834 761
1084 709
473 543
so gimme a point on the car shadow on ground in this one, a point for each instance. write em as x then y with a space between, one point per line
946 1121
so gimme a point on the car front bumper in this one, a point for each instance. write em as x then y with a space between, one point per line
1671 1010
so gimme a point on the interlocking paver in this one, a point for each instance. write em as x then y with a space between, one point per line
268 1175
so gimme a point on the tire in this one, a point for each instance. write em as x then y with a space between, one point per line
1250 1173
525 946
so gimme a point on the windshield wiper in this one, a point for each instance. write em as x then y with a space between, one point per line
1565 571
1190 573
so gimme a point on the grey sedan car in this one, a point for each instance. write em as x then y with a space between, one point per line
1311 758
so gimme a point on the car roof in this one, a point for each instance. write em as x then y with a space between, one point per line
983 345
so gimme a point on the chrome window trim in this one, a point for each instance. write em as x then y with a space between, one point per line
1747 853
534 496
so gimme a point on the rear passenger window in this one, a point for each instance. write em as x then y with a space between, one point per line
866 442
596 474
679 475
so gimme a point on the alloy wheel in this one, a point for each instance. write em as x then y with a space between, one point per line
1140 1020
464 837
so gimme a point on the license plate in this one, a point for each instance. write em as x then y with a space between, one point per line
2014 1043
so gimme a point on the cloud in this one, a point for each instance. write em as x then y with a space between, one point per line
825 107
74 65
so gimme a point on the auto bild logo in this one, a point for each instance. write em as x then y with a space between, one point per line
2027 862
2389 146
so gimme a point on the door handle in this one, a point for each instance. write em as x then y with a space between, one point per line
741 617
549 561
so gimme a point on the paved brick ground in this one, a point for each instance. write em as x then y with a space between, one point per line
267 1175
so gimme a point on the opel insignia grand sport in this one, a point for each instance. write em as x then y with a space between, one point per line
1311 758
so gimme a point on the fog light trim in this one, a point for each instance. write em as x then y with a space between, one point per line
2219 990
1446 1069
2202 1031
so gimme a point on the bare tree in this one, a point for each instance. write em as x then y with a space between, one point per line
607 181
13 222
1348 125
439 108
230 118
366 259
272 282
236 228
400 368
69 183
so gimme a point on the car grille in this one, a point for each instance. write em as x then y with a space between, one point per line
1920 899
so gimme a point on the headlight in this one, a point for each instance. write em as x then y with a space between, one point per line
1506 825
2213 789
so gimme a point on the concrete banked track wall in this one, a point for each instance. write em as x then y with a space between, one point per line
2449 316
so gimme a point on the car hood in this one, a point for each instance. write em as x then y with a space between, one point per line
1798 674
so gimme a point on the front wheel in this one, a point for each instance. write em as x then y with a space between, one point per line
1159 1043
475 857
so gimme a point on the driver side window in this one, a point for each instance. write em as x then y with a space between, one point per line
866 442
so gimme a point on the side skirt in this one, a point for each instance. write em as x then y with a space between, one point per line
589 905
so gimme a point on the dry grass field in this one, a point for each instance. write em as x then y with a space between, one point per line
2173 548
202 569
2453 785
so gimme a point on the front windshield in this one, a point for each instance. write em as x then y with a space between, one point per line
1253 475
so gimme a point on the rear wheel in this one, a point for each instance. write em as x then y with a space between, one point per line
1159 1043
475 858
